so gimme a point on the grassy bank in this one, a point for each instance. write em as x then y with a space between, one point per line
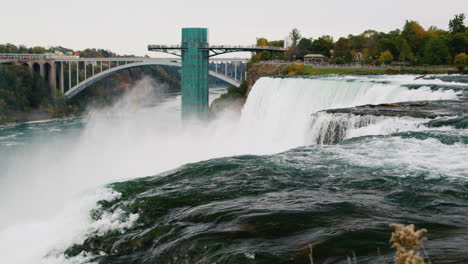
301 69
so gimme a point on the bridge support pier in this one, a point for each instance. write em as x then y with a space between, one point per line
53 78
42 70
61 79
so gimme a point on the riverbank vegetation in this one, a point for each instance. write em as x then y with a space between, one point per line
412 45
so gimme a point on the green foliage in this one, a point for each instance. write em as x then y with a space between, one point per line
339 60
343 50
357 42
20 89
405 51
322 45
267 55
304 47
457 24
234 92
436 52
414 34
412 45
459 43
460 61
386 57
390 43
276 43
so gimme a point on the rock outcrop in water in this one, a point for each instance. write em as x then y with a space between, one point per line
335 125
423 109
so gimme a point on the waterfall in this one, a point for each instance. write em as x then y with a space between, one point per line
279 109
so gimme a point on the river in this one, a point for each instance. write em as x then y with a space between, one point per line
132 183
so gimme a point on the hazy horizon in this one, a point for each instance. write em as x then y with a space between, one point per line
128 28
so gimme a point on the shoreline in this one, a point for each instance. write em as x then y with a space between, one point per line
34 121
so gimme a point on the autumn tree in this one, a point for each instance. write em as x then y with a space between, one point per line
370 45
414 33
263 42
276 43
343 50
460 61
386 57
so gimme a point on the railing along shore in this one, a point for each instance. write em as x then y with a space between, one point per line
361 66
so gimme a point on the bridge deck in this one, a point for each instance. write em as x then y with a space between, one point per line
217 47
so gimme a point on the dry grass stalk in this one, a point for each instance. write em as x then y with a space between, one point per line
407 242
311 256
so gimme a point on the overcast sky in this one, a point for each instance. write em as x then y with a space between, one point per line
128 26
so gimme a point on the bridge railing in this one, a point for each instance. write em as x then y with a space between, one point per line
12 56
178 47
246 47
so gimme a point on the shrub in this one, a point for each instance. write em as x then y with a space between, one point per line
460 61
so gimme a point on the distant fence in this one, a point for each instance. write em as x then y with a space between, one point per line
324 65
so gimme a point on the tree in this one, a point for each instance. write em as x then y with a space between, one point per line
276 43
386 57
389 43
38 50
343 49
459 43
370 45
460 61
304 47
414 35
405 51
294 35
322 45
263 42
357 42
457 24
436 52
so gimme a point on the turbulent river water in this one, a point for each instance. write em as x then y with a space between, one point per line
133 184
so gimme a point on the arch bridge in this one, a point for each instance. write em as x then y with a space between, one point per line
71 74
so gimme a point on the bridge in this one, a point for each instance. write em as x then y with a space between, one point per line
194 57
71 74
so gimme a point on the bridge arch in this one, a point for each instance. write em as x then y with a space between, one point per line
47 71
89 81
36 67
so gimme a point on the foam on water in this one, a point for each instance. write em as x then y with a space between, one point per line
47 187
409 154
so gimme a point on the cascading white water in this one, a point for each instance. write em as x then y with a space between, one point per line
327 128
42 200
279 110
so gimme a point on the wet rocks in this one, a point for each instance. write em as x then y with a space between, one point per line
420 109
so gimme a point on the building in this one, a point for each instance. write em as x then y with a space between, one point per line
311 58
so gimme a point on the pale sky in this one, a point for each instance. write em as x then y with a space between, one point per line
128 26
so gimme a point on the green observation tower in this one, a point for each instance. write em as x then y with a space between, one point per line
195 52
195 56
